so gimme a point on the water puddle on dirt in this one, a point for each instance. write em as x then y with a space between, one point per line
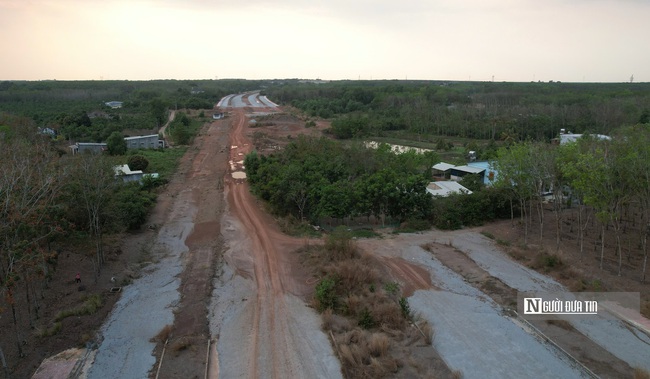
239 175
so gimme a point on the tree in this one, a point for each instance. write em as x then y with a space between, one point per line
116 144
92 184
514 165
138 162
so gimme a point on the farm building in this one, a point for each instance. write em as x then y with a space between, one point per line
143 142
458 172
114 104
490 174
124 171
91 147
446 188
218 116
567 138
442 170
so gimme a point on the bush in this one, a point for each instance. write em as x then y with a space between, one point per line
366 320
325 294
138 162
406 308
131 205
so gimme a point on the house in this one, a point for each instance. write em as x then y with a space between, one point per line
126 174
91 147
47 132
457 173
490 174
570 137
114 104
442 170
144 142
446 188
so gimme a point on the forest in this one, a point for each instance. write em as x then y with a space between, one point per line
428 110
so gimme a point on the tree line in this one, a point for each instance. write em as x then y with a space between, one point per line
480 110
316 179
76 110
606 179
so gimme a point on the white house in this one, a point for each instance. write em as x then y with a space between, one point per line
114 104
124 171
567 138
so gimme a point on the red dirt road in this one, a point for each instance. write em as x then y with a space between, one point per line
275 341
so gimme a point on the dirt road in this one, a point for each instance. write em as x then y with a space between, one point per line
262 327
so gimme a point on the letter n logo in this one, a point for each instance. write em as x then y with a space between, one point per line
532 305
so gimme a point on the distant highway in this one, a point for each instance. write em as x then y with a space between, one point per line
253 100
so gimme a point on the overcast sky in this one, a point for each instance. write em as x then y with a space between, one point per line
508 40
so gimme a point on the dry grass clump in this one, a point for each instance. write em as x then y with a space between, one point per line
163 335
353 274
640 373
366 355
180 345
427 331
335 323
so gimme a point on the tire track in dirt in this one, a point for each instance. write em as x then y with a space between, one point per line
271 333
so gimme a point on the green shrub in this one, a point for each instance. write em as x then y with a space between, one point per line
326 294
406 308
391 287
366 320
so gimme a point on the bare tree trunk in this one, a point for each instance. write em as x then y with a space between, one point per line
17 331
645 252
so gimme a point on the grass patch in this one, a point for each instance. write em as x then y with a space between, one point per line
488 235
413 226
503 242
90 305
547 262
163 161
293 227
48 332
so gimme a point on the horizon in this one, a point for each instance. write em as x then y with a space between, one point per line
576 41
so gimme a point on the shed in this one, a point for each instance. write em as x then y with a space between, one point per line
458 172
442 169
446 188
92 147
124 171
143 142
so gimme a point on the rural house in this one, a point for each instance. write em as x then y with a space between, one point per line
144 142
91 147
446 188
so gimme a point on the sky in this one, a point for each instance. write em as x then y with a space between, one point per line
480 40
